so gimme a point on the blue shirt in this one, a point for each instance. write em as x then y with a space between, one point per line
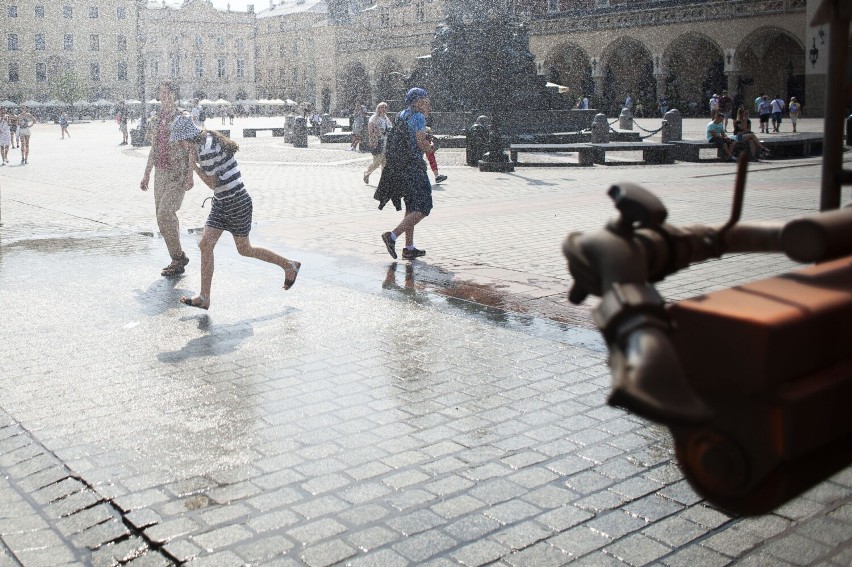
714 127
416 123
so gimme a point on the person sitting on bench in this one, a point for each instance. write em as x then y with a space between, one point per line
716 136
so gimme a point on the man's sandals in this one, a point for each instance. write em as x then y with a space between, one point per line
176 268
198 301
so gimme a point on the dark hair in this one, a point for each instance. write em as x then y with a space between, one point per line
172 86
230 146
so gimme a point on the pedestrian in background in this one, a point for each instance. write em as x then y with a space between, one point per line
359 124
777 111
172 169
121 118
764 110
25 122
409 171
377 132
714 106
13 128
5 138
63 125
726 107
211 156
795 110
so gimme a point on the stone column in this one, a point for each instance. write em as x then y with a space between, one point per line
733 83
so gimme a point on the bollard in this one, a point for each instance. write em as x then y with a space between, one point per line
672 127
625 119
300 132
600 129
849 131
476 142
326 124
289 122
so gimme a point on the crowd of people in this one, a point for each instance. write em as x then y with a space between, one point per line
769 110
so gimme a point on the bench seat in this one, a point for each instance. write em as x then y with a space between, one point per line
589 154
252 132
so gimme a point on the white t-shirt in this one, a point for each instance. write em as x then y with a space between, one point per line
777 105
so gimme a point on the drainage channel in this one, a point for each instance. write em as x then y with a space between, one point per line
57 516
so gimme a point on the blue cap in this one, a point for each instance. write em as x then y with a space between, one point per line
413 95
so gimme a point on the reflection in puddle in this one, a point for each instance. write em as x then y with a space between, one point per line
423 283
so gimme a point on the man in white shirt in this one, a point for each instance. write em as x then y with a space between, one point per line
777 109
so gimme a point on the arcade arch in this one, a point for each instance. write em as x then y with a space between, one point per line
771 61
694 65
568 65
628 69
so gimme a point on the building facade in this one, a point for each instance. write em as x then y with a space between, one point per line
336 54
68 49
209 53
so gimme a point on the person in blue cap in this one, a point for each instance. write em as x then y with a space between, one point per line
211 156
418 189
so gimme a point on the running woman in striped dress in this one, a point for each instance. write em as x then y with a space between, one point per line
211 156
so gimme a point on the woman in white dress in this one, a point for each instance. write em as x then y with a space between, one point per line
5 138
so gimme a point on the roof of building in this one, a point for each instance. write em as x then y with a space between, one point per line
287 7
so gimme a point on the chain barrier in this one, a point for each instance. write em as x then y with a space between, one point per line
652 133
643 129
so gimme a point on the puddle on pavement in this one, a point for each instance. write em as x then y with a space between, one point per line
422 283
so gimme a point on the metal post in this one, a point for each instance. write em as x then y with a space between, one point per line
835 95
140 71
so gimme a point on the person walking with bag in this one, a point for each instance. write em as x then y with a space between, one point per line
172 164
405 172
377 133
211 156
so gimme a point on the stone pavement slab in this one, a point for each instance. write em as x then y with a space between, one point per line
440 412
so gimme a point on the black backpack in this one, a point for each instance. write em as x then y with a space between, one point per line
397 150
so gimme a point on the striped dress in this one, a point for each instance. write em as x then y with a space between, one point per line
232 206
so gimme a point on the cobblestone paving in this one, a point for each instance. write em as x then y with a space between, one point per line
444 412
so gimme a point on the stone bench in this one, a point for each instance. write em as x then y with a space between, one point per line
780 146
336 138
590 154
584 157
652 153
252 132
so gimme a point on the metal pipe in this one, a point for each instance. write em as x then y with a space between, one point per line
835 94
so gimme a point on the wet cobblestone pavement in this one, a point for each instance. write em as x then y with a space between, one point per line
442 412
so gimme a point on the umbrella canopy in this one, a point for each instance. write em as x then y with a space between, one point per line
82 103
54 102
560 88
132 101
8 104
264 101
221 102
205 101
291 102
103 102
33 103
153 101
277 102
